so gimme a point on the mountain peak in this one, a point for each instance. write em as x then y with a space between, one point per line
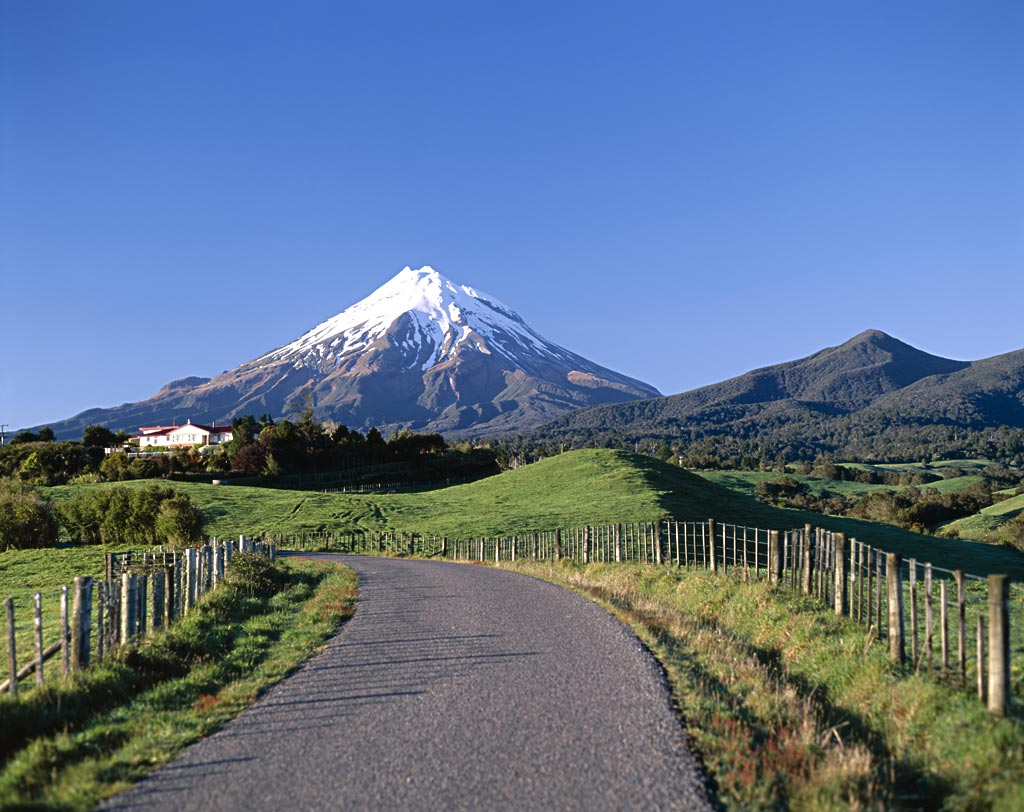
869 335
436 316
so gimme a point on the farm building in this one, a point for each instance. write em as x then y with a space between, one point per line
191 434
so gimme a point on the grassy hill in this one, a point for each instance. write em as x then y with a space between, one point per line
581 487
987 525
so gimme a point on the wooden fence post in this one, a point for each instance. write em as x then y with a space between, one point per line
128 602
998 644
914 653
158 581
618 544
808 553
12 653
170 586
929 619
586 545
980 640
943 625
558 545
878 592
218 565
65 654
894 582
961 617
81 622
37 605
841 594
854 576
190 579
774 558
142 618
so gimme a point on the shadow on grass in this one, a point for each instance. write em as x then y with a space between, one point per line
908 786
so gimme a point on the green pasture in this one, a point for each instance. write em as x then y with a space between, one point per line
593 486
1007 508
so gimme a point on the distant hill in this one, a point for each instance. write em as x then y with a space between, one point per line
872 398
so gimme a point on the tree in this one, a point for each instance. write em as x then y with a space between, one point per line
116 467
251 459
271 468
179 523
46 435
26 518
243 431
54 463
97 436
25 437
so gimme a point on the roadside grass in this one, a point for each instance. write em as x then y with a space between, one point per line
591 486
790 708
73 742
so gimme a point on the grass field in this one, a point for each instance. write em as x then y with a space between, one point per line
973 464
746 481
985 526
572 489
1008 508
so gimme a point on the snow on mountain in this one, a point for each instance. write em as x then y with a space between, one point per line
445 316
421 353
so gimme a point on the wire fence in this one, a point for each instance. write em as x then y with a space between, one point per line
85 622
948 623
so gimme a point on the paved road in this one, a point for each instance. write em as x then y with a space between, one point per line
453 687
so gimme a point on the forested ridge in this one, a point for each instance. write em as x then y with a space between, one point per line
873 398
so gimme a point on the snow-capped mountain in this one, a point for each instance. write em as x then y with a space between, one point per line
428 318
421 352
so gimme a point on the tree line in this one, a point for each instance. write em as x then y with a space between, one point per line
261 448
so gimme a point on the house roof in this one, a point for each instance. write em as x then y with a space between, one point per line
154 431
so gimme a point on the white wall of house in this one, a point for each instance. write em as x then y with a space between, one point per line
183 437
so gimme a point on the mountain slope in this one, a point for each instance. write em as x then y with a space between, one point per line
420 353
873 397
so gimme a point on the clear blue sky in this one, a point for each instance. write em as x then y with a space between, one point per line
681 191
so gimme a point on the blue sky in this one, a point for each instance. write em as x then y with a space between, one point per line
680 191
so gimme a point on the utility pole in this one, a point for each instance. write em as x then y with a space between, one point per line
2 436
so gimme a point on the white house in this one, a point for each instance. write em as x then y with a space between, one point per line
191 434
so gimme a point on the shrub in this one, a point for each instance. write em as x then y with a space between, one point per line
26 518
179 523
154 514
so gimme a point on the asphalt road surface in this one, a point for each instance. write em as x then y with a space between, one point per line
452 687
